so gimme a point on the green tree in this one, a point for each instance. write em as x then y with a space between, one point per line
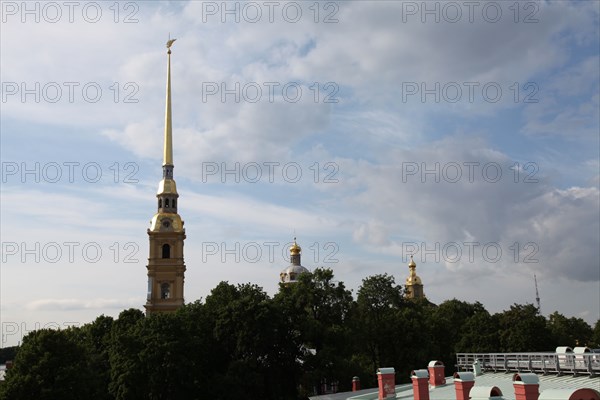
415 338
205 355
318 310
8 353
51 364
378 302
522 328
569 331
240 343
479 334
127 373
258 349
448 324
167 358
595 342
95 338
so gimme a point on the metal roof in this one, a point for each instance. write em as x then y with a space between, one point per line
502 380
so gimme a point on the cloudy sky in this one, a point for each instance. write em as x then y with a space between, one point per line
465 133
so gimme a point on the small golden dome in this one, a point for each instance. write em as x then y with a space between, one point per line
295 249
412 263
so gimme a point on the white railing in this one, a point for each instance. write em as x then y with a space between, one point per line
559 363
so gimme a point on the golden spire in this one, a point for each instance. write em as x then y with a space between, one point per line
168 150
412 263
167 185
167 218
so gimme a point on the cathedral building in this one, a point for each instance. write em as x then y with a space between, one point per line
293 271
414 286
166 266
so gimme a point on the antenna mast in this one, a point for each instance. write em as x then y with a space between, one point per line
537 295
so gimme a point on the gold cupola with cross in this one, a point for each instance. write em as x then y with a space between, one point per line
414 285
166 266
293 271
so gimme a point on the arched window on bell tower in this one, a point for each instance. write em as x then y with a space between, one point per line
165 290
167 203
159 203
166 251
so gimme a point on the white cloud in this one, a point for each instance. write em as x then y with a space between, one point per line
371 135
79 304
557 226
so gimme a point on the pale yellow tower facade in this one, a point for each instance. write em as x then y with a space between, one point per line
166 266
414 285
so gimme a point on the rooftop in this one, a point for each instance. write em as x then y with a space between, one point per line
501 380
556 371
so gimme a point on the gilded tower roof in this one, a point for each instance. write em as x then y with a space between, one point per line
167 219
413 278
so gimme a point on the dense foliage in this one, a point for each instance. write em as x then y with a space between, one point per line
241 343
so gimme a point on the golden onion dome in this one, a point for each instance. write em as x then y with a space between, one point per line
413 278
295 249
412 263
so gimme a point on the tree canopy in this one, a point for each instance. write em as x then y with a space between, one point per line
311 337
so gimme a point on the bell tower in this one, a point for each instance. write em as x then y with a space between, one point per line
166 266
414 285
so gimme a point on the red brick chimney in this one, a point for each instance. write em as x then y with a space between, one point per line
463 382
355 383
420 382
526 386
387 383
436 373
